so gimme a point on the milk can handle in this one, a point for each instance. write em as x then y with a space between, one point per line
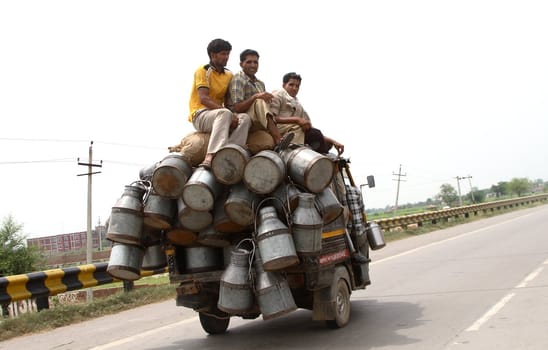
251 256
148 185
256 212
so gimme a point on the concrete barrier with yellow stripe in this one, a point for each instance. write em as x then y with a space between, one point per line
55 281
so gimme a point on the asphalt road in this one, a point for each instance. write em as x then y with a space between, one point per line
481 285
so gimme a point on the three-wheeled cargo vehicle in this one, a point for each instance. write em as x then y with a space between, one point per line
254 235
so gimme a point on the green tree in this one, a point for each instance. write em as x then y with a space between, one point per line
519 186
478 195
15 257
499 189
448 195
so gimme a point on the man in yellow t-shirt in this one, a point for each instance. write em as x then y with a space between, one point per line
207 103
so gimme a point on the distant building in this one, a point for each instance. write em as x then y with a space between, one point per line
68 242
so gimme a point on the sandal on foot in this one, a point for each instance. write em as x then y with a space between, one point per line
284 142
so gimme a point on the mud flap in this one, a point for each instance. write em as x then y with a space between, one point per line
324 299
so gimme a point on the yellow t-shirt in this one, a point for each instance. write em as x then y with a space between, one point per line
216 82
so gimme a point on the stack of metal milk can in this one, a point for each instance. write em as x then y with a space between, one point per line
251 216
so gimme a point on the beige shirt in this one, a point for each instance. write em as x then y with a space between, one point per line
283 105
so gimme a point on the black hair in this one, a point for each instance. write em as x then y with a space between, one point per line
291 75
248 52
218 45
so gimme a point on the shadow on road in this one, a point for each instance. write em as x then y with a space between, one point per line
373 324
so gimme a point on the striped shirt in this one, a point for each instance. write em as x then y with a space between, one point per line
241 88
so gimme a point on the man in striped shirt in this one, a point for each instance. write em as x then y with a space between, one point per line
247 94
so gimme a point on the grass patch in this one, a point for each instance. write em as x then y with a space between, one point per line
150 280
63 315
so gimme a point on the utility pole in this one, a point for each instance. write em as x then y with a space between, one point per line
89 241
458 186
471 190
399 175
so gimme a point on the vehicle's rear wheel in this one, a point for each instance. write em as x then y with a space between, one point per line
342 306
213 325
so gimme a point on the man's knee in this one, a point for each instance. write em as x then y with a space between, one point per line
224 115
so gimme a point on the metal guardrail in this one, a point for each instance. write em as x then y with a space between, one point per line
434 216
52 282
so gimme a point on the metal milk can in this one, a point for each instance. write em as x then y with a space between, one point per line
272 292
307 226
125 261
193 220
239 204
154 257
126 217
170 175
229 163
264 172
274 240
308 168
201 190
328 205
375 237
202 259
288 195
159 212
235 293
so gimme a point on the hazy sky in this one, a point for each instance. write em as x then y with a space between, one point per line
444 88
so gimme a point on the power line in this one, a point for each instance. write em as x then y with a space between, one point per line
124 163
60 160
129 145
38 140
68 140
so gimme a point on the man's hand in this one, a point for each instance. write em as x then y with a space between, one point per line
339 147
234 122
266 96
304 124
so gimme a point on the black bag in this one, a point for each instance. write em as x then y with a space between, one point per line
314 138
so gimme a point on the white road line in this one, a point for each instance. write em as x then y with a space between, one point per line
498 306
530 277
490 313
143 335
447 240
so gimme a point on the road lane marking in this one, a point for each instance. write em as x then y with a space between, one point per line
498 306
148 333
490 313
530 277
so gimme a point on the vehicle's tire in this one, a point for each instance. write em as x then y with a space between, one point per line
342 306
213 325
